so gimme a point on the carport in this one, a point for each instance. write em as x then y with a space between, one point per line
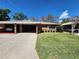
71 27
6 28
25 28
28 28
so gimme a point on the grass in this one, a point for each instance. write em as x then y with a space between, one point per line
58 46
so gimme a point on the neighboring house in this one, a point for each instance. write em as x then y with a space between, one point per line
24 26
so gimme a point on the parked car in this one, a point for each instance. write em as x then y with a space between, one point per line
8 29
59 29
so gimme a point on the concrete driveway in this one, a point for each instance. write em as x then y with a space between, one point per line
18 46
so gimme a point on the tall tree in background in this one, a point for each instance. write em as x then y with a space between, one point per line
75 18
43 18
65 20
50 18
33 18
20 16
4 14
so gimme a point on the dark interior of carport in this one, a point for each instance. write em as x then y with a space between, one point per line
26 28
6 28
20 28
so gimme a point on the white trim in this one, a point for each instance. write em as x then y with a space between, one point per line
68 23
25 22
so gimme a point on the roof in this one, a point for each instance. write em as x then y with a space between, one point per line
26 22
68 23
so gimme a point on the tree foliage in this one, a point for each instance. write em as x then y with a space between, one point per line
75 18
49 18
19 16
33 18
65 20
43 18
4 14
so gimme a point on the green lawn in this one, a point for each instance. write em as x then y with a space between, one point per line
58 46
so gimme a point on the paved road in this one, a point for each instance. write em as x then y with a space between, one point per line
18 46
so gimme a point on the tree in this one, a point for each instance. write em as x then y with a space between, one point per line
19 16
65 20
75 21
4 14
75 18
43 18
50 18
33 18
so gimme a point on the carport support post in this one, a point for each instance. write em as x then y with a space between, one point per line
20 28
37 29
14 28
73 26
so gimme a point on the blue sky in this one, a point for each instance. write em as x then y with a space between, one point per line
40 8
